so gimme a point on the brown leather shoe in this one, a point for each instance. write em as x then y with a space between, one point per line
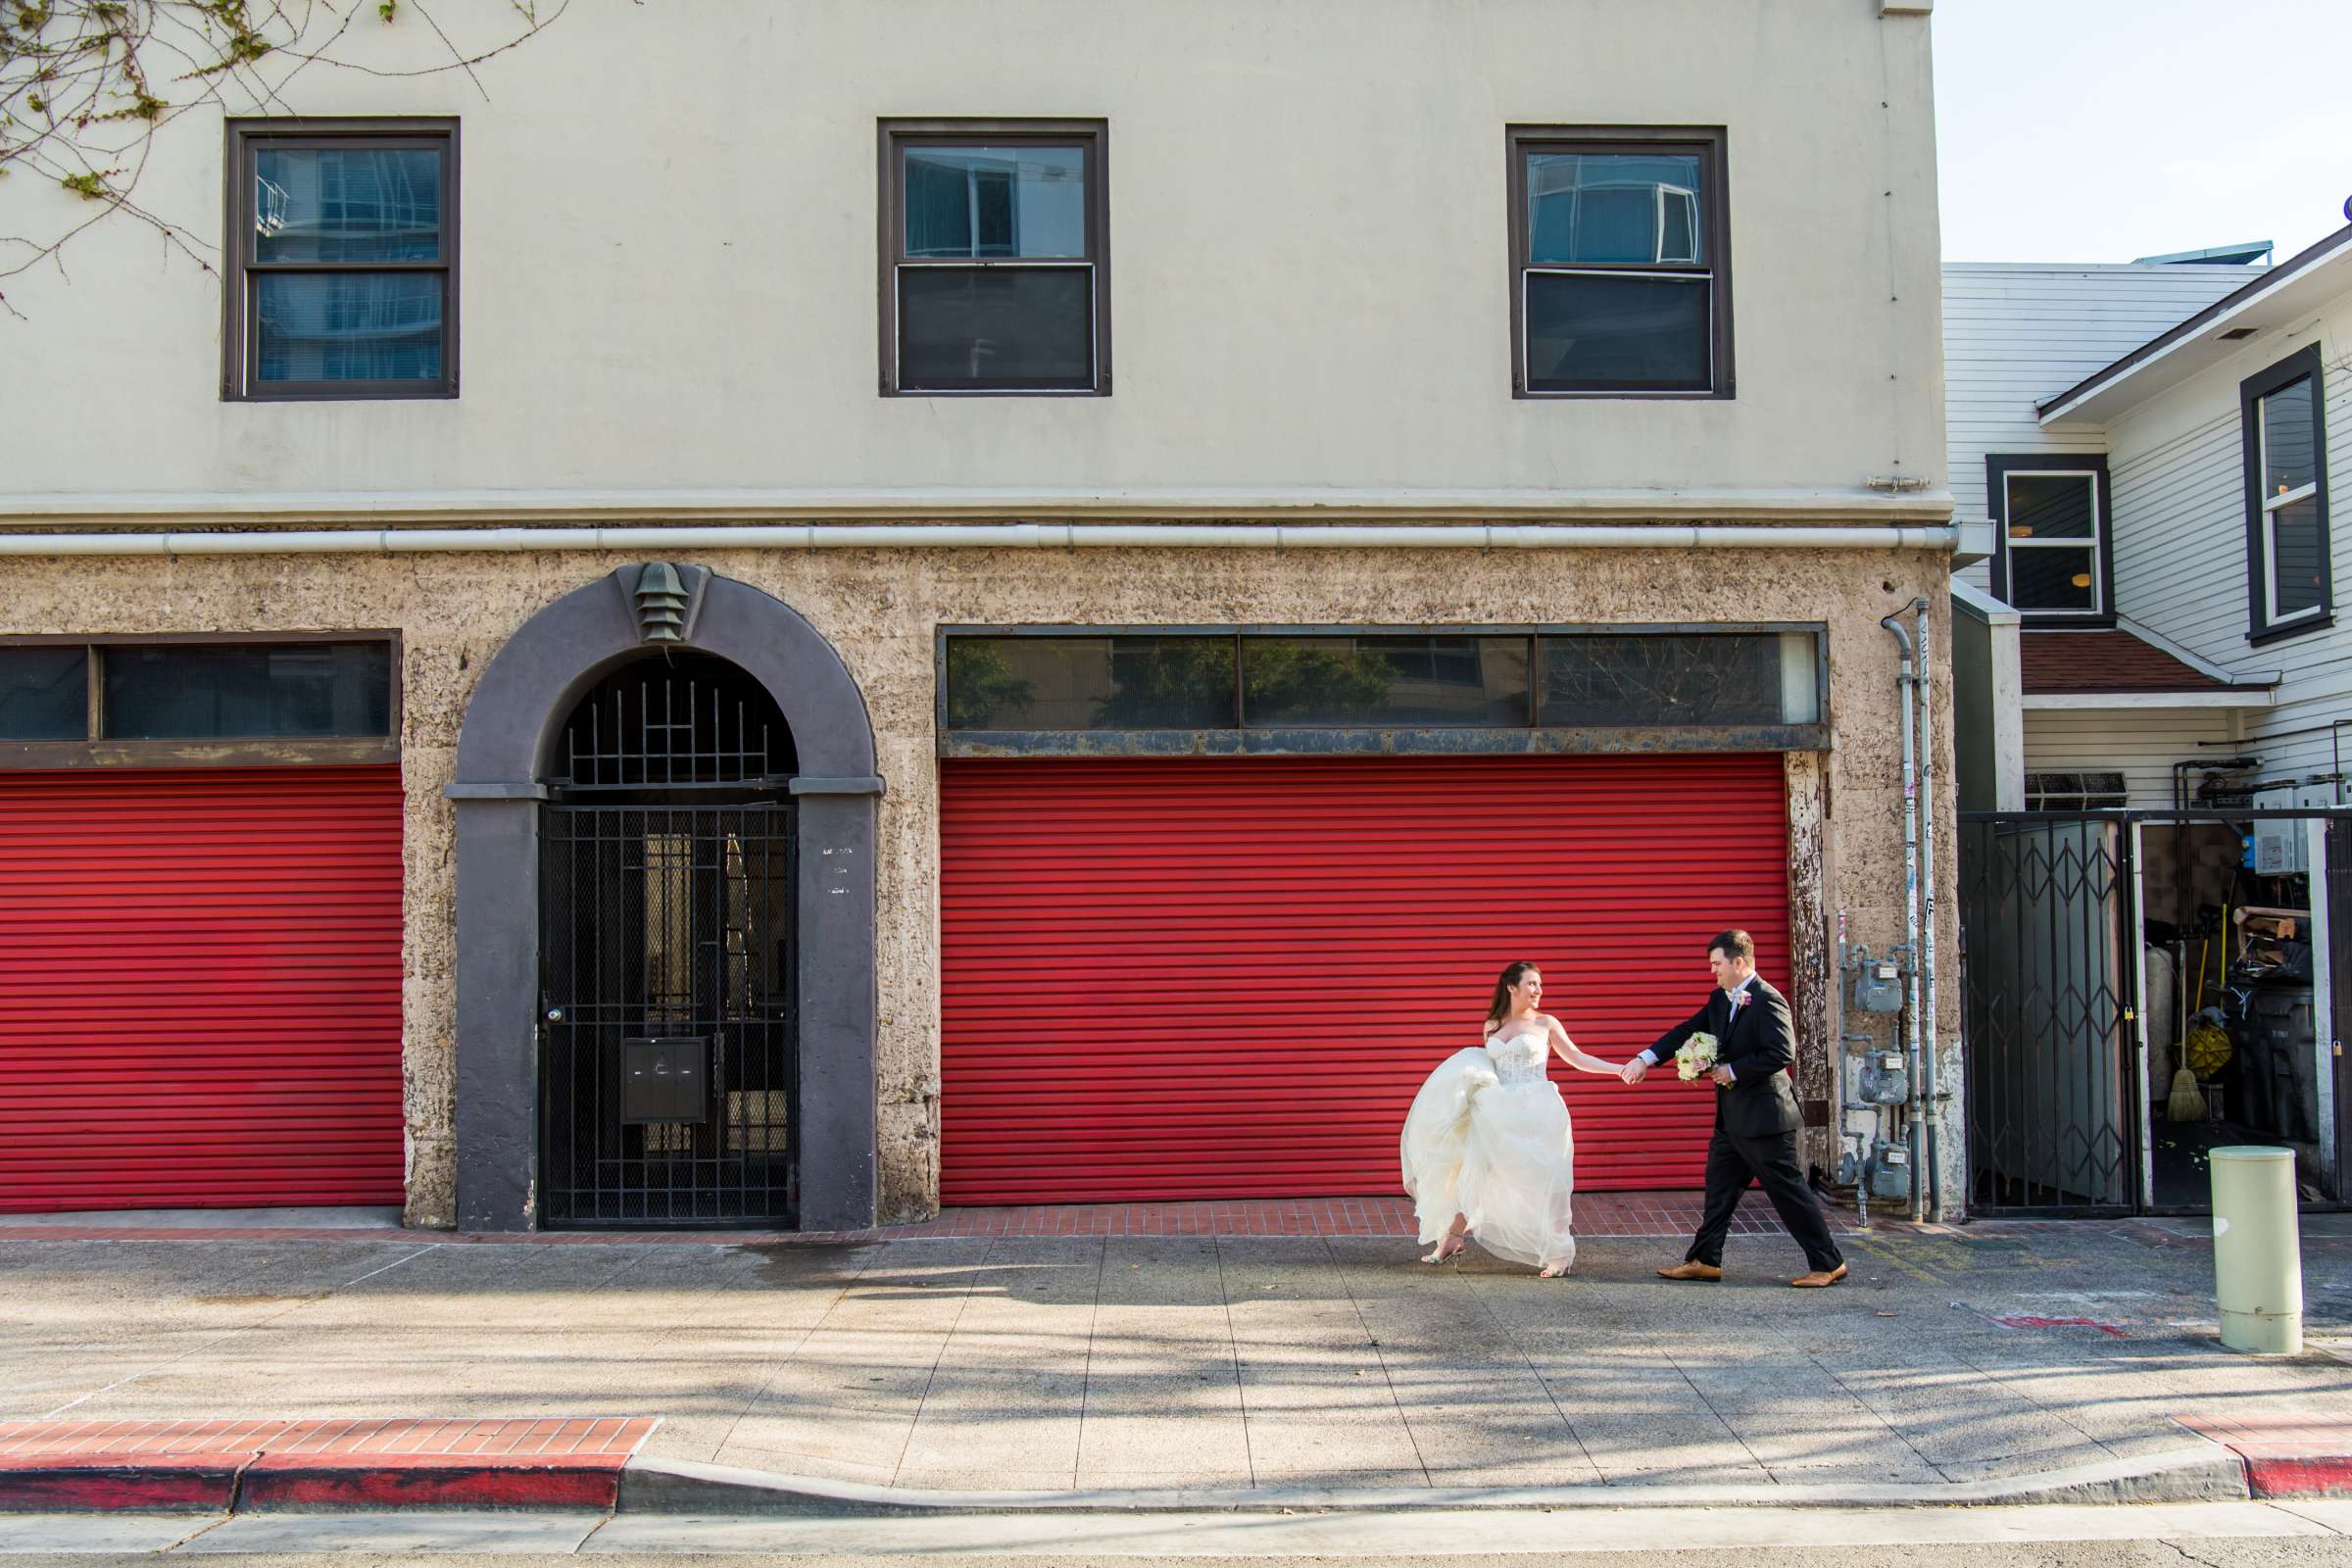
1690 1271
1818 1280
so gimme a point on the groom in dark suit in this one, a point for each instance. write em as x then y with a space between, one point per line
1757 1119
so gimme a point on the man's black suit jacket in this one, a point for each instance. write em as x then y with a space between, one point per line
1758 1043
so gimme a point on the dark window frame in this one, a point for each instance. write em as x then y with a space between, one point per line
2276 377
240 343
94 750
1531 739
1093 137
1710 143
1999 468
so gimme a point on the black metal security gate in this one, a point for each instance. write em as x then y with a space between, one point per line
668 1088
2049 963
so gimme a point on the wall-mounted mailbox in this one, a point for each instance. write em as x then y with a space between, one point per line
665 1080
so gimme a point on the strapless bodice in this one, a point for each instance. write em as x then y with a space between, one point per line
1518 1060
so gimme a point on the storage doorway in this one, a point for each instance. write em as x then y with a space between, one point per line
669 1068
2235 922
2104 952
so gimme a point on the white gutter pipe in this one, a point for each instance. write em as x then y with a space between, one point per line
1931 1103
1914 1123
234 541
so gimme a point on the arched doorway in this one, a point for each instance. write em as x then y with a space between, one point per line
570 790
668 1058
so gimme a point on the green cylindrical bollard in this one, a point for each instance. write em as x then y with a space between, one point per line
2257 1250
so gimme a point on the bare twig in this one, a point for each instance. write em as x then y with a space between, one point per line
86 85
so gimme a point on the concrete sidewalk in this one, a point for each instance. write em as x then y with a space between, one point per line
1198 1363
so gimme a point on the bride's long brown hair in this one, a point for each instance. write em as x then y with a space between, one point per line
1513 974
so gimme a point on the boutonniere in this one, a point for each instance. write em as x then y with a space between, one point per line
1738 1001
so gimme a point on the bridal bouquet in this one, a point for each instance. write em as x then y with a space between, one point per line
1696 1057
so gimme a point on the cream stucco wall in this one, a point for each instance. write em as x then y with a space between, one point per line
668 254
880 609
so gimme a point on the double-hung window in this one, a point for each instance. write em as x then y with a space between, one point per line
2052 555
342 260
2288 577
995 257
1621 278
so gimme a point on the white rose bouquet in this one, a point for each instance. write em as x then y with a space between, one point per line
1696 1057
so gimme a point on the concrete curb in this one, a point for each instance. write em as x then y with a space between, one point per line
2204 1473
217 1484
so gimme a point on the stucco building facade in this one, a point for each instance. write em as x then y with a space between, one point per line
1348 413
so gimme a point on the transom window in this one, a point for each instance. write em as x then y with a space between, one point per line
1308 689
1621 278
342 260
2287 565
2052 527
66 702
995 258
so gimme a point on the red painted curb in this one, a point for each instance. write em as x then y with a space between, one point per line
431 1480
87 1483
2300 1477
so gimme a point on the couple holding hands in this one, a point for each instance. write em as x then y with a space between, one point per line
1490 1153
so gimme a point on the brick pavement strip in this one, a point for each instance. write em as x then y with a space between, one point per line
214 1466
1089 1359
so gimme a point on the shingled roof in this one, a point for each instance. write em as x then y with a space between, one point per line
2105 662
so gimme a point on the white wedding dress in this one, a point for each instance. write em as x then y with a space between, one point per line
1489 1138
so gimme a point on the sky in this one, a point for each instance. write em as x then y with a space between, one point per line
2102 131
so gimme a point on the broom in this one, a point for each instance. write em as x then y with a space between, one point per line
2186 1104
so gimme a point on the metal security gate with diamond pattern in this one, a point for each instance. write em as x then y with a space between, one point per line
2049 963
668 1056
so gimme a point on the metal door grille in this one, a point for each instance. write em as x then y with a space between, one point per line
673 924
2048 960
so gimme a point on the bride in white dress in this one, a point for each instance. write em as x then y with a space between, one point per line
1488 1149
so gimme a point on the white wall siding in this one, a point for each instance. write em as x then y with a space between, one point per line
2014 334
2178 468
2141 743
2181 537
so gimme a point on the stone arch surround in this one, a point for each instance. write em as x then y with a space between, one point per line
504 750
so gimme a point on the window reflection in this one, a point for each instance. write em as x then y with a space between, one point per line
1380 681
349 326
1078 683
326 204
1308 681
1609 681
995 202
44 694
302 689
1606 208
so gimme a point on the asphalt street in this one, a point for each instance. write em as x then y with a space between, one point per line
2246 1535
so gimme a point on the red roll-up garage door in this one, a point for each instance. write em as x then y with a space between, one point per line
200 988
1191 978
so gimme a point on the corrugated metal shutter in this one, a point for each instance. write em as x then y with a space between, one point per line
1203 978
200 979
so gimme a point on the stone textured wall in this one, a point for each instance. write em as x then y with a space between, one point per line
881 609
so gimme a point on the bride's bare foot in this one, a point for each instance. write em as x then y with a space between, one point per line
1551 1271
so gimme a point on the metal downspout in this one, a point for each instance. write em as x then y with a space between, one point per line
1931 1103
1908 680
